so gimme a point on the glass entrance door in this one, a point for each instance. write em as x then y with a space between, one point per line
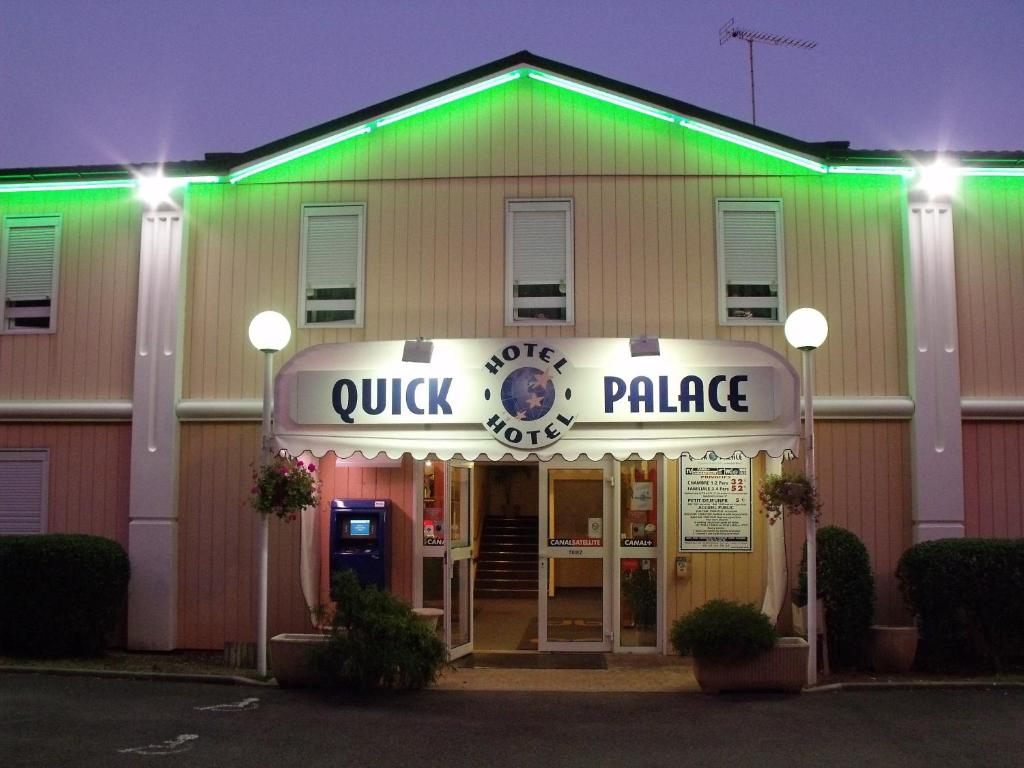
458 559
574 577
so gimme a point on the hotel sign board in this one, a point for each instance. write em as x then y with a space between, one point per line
529 394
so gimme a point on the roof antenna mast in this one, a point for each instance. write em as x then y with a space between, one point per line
729 30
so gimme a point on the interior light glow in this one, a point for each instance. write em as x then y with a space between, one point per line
611 98
743 141
448 98
305 149
872 170
63 186
938 179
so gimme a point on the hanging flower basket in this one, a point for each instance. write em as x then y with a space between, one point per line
283 486
791 491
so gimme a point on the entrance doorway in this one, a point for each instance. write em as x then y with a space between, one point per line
545 556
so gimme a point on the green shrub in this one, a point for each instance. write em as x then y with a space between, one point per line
723 631
968 597
60 594
377 641
847 588
640 590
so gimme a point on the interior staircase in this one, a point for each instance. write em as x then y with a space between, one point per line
507 565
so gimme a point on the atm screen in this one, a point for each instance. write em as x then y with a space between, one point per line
359 527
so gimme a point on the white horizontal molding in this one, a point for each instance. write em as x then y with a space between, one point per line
220 410
65 410
992 408
826 407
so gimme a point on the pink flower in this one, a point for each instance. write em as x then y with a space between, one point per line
255 489
301 464
312 468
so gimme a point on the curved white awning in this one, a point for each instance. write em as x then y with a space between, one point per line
576 397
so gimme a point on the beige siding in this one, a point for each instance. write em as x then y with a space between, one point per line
988 234
90 354
994 479
88 483
217 569
739 576
863 471
644 195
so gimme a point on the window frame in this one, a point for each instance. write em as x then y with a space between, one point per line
41 455
526 204
760 204
10 222
310 210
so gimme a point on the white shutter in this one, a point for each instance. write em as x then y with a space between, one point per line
539 246
22 491
332 250
750 246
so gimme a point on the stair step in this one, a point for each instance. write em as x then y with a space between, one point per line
506 593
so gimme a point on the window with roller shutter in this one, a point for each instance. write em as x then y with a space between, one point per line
331 265
29 265
539 270
750 262
23 477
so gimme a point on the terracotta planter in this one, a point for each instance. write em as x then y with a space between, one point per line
783 668
893 648
290 659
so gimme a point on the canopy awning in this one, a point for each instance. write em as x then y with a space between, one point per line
515 399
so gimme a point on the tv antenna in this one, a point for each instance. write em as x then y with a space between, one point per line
729 31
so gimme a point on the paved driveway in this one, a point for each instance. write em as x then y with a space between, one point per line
82 721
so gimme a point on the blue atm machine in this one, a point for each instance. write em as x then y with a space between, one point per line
360 539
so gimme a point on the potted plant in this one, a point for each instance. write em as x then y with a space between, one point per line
735 647
790 491
283 486
640 591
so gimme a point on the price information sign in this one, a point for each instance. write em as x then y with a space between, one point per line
715 504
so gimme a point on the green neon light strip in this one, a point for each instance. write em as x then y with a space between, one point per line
71 186
872 170
611 98
990 171
305 149
63 186
743 141
449 97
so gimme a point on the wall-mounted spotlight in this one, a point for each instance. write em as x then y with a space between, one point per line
644 346
418 351
938 180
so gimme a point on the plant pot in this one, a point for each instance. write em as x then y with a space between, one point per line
429 616
782 668
290 658
893 648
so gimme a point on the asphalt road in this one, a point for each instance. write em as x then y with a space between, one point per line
82 721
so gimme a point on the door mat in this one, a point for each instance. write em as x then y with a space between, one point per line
478 660
567 630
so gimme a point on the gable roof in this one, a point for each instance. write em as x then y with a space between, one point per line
826 156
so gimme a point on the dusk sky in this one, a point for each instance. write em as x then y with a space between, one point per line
109 82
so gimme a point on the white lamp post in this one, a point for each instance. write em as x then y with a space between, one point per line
269 332
806 329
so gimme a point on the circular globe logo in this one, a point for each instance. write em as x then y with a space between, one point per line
528 393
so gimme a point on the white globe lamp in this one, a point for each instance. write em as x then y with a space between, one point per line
806 328
269 331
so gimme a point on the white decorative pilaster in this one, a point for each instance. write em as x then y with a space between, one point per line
934 373
153 500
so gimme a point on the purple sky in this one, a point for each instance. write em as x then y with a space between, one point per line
103 82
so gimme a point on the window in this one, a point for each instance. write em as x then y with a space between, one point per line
750 262
23 476
28 273
539 270
332 263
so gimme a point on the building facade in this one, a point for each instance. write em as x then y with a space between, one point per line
522 203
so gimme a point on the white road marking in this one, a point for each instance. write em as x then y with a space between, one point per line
170 747
238 706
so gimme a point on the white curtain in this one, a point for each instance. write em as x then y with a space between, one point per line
309 553
775 560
